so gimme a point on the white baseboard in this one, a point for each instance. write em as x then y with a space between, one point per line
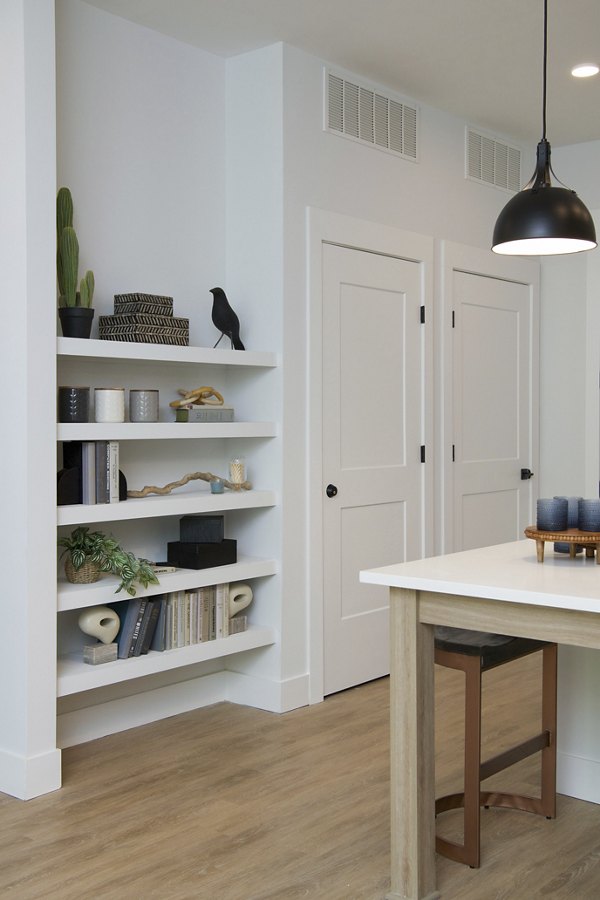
113 716
578 777
26 777
263 693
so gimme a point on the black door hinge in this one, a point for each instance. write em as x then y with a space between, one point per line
422 315
453 451
422 453
453 320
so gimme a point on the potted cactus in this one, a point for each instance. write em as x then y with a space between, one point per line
75 301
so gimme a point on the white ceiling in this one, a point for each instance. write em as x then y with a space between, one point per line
478 59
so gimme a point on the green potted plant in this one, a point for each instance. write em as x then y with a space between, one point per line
75 306
90 553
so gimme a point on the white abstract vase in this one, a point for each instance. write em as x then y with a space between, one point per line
100 622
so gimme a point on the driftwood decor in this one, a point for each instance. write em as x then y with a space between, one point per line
193 476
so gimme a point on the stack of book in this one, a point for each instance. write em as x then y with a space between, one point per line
138 625
174 620
90 472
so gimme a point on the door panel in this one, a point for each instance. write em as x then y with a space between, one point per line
492 409
372 408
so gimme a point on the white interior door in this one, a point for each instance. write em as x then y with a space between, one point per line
373 363
494 408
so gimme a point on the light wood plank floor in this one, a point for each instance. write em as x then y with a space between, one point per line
231 803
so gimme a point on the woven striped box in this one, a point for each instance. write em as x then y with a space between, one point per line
150 304
143 328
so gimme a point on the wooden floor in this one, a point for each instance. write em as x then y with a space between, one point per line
231 803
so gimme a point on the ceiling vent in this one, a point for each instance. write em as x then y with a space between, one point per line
365 114
492 161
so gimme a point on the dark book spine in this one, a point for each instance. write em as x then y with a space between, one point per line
102 481
159 638
145 639
128 621
138 625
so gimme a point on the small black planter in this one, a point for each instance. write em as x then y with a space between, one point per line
76 321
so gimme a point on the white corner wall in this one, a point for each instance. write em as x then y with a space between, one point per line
29 760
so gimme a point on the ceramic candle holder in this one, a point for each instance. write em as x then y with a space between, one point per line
143 405
73 404
109 404
552 514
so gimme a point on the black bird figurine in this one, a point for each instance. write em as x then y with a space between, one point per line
225 319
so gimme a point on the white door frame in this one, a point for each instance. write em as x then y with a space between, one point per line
327 227
474 261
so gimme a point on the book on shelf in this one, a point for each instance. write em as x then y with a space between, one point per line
102 471
221 610
138 625
88 472
129 618
158 641
206 601
162 568
113 471
205 414
148 626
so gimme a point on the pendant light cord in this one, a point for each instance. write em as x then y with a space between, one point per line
545 67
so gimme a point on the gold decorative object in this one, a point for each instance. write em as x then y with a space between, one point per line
202 396
193 476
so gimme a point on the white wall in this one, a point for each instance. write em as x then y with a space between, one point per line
570 431
329 172
141 144
563 376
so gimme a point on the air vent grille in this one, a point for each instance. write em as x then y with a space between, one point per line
492 161
365 114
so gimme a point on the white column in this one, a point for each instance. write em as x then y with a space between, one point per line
29 759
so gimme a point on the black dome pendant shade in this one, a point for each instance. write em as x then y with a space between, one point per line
541 219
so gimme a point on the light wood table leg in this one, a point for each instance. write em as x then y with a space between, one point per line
539 546
412 751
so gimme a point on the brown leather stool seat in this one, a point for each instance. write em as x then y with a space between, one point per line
475 652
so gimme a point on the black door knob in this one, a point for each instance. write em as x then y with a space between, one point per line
526 474
331 490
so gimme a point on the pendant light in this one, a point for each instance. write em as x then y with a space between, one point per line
542 219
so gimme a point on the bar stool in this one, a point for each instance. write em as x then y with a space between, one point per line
475 652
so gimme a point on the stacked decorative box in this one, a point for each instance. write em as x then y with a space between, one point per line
144 319
201 544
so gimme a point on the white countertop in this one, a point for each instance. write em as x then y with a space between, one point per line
503 572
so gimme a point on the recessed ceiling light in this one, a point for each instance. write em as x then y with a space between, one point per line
585 70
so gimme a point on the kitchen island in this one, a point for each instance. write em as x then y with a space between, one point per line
500 589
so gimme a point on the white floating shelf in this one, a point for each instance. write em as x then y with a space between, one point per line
92 349
79 596
74 675
175 504
139 431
